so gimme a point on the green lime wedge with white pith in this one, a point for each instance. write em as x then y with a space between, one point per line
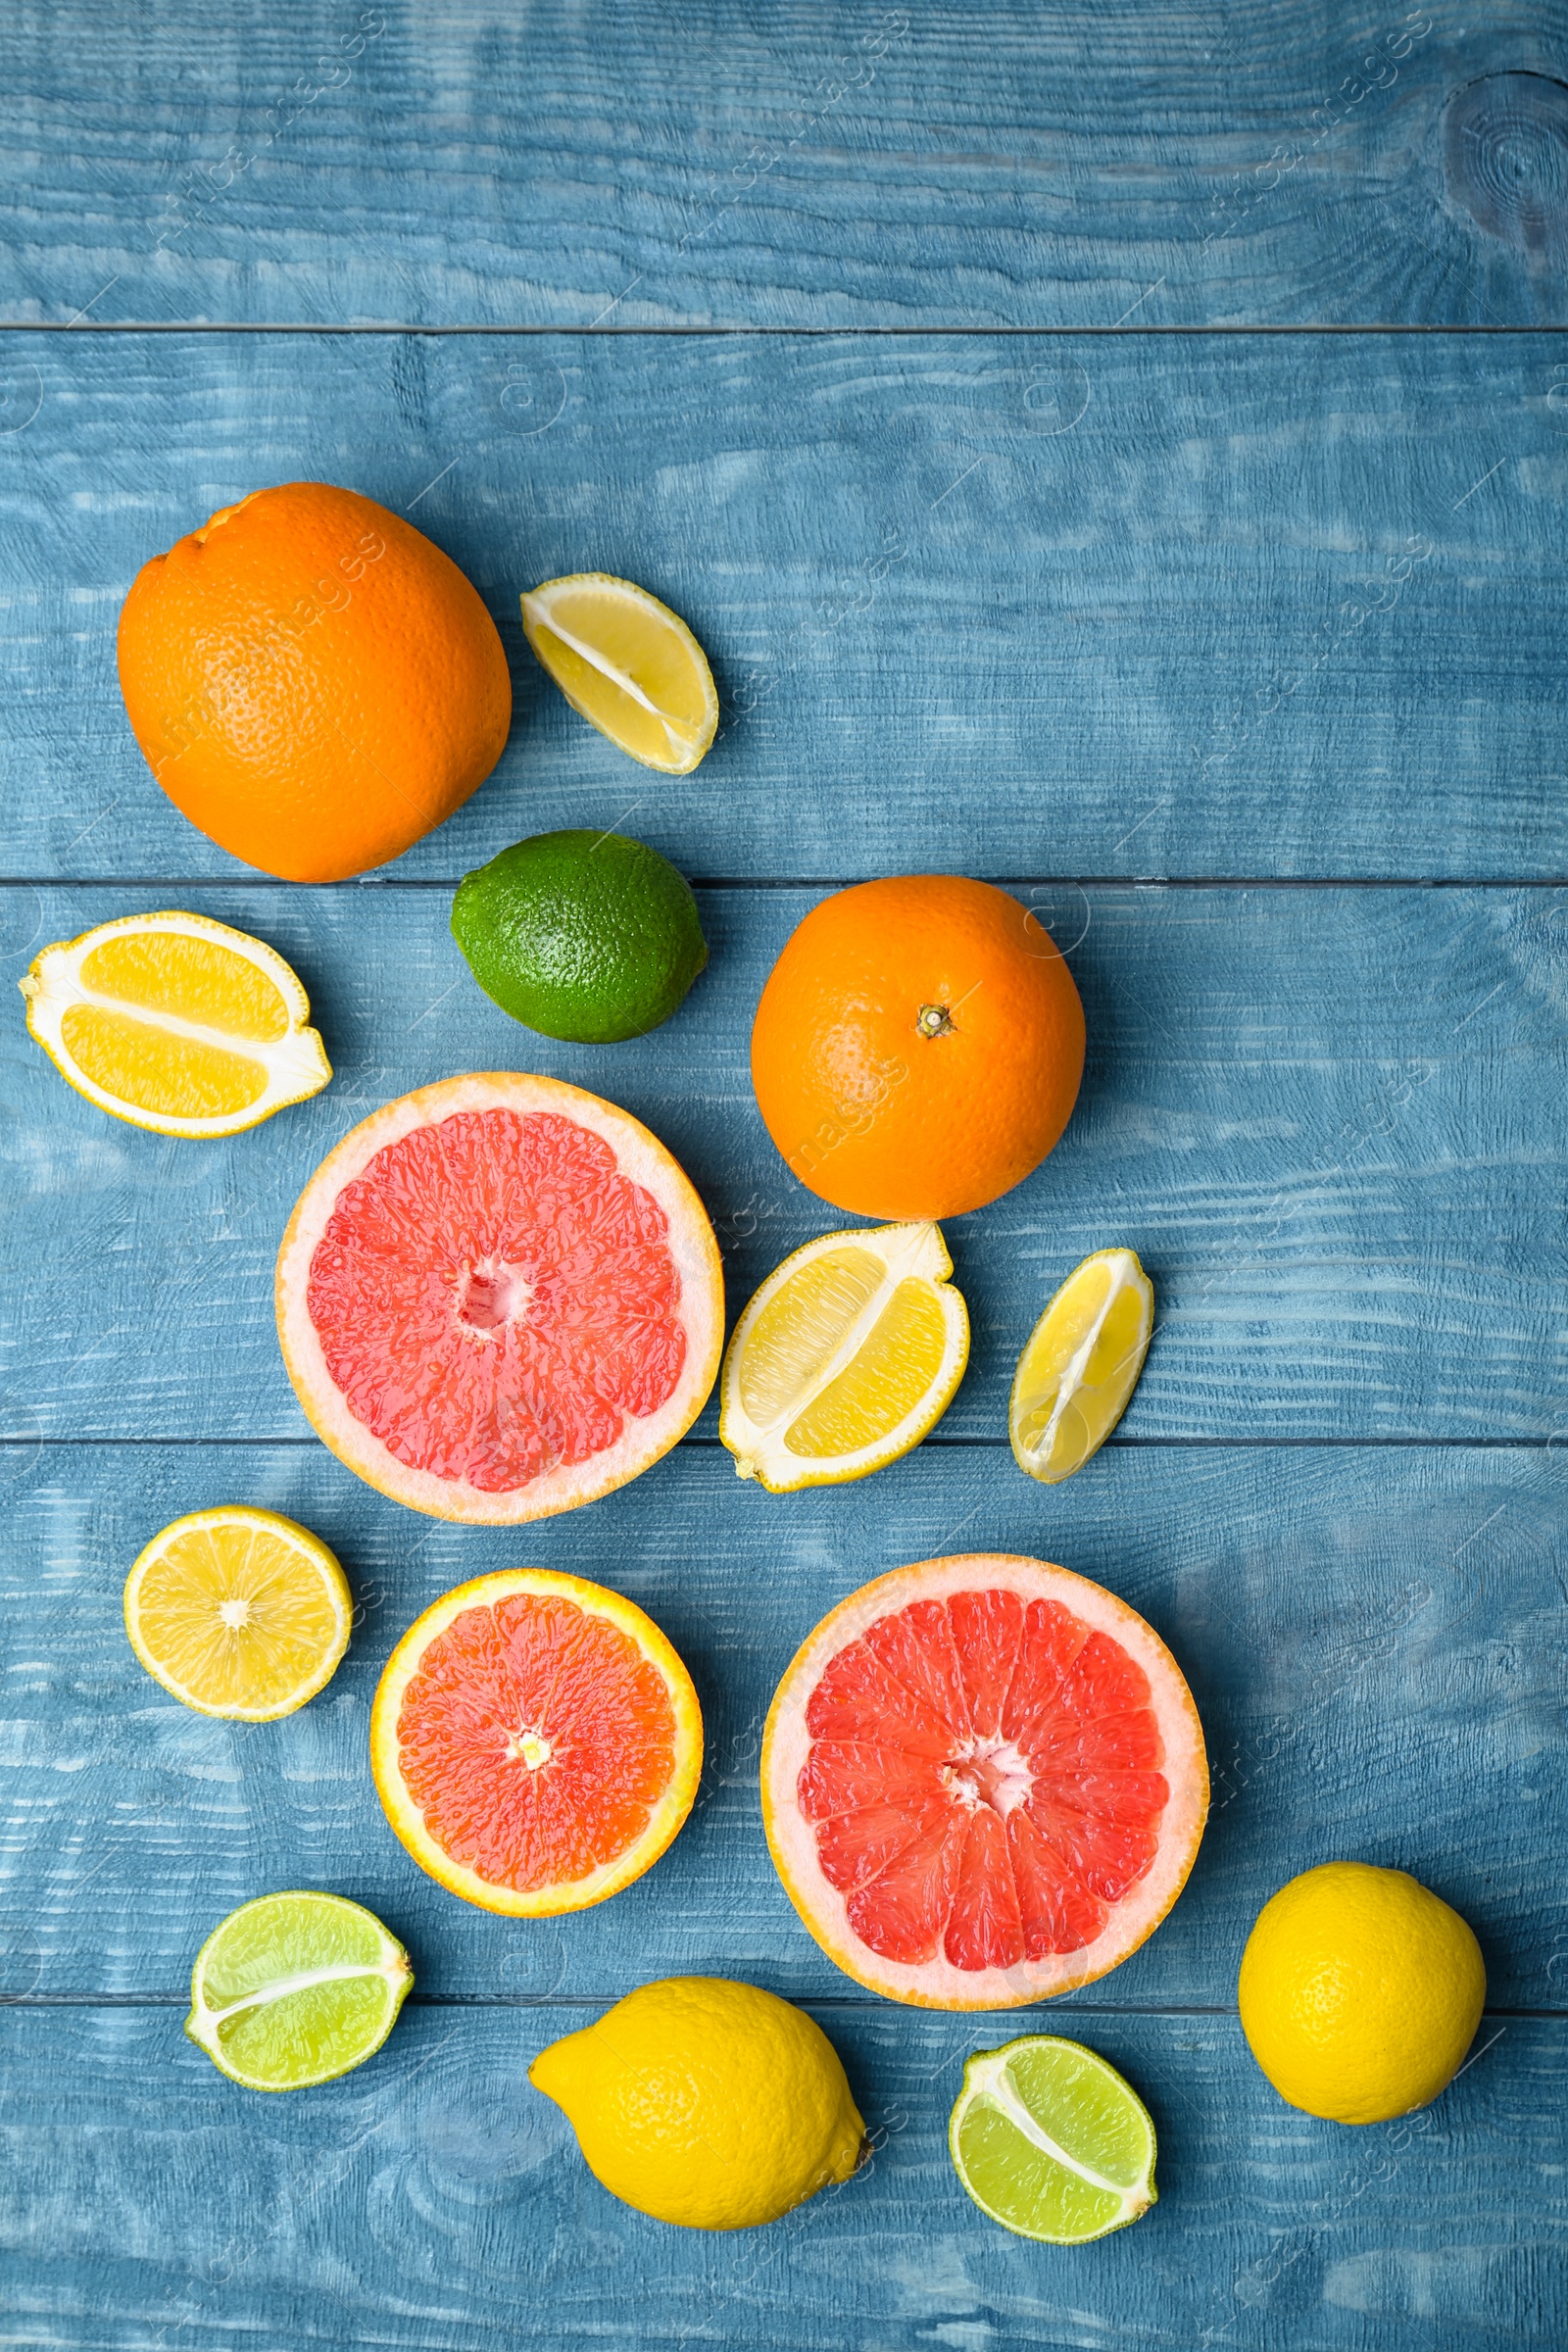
1050 2143
296 1988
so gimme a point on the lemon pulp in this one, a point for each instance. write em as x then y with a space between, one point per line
174 1022
1080 1365
627 664
238 1612
846 1358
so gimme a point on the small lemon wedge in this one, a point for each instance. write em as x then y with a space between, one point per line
174 1022
238 1612
629 665
844 1360
1080 1365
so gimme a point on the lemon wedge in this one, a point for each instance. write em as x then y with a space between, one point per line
174 1022
845 1358
629 665
238 1612
1080 1365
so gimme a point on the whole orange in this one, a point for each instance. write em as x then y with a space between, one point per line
313 684
917 1047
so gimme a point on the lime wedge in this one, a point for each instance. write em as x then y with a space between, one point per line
295 1988
1080 1365
1050 2143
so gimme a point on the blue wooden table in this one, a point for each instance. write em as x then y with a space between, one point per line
1119 453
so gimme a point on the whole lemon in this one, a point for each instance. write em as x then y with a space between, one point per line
704 2102
1360 1993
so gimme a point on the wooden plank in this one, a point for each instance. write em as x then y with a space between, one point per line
829 167
433 2199
1068 607
1320 1116
1371 1637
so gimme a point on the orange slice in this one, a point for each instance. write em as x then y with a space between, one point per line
536 1742
984 1781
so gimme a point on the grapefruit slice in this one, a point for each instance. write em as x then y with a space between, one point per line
499 1297
984 1781
536 1742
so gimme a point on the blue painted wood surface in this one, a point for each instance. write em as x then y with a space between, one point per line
1323 1118
804 165
1260 613
1207 607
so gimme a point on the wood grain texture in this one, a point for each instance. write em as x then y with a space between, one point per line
434 2201
1322 1117
1199 608
819 165
1371 1637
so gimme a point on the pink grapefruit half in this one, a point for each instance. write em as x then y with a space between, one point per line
499 1297
984 1781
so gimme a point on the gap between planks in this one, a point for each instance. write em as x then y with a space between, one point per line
859 2003
825 882
720 333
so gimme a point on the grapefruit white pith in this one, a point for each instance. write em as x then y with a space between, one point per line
499 1297
984 1781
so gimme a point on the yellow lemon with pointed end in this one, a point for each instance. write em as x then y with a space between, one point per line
707 2103
1360 1993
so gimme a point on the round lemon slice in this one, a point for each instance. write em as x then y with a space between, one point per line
296 1988
629 665
238 1612
1050 2143
847 1358
177 1023
1080 1365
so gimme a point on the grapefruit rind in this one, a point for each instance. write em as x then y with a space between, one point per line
405 1816
642 1159
786 1743
296 1064
915 1250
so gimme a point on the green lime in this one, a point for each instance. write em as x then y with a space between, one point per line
295 1988
1050 2143
584 936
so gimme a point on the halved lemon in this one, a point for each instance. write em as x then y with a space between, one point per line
238 1612
174 1022
1080 1365
629 665
846 1358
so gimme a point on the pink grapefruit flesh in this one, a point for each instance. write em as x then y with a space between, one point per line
984 1781
499 1297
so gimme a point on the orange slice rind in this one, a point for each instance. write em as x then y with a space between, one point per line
536 1742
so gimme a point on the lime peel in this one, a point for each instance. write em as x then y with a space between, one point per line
989 2082
306 2050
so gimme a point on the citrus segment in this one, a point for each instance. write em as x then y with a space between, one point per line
499 1297
629 665
1050 2143
296 1988
238 1612
983 1782
536 1742
1080 1365
847 1356
175 1022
